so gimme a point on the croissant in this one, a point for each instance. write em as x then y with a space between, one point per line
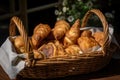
87 42
41 31
99 37
73 34
60 28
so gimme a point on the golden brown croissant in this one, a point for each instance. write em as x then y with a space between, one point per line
99 37
19 44
73 34
73 50
60 28
41 31
87 42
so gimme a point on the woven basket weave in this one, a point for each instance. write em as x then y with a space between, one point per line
15 24
66 66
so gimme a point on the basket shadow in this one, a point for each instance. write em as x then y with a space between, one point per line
112 69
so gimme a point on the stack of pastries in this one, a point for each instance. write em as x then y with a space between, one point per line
61 40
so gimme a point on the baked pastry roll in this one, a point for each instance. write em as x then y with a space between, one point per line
48 49
73 34
99 37
60 28
73 50
86 42
41 31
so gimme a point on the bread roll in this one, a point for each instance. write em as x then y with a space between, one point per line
99 37
73 50
60 28
86 42
49 49
73 34
41 31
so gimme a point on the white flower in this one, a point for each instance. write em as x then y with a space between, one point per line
64 9
89 4
109 15
56 12
64 2
60 12
70 18
58 18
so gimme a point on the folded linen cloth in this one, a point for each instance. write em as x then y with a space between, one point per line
7 57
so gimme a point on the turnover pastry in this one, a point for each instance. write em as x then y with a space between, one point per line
48 49
87 42
99 37
41 31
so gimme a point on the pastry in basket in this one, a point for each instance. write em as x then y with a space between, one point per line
60 28
19 44
41 31
99 37
38 54
49 49
73 34
60 49
73 50
86 33
87 43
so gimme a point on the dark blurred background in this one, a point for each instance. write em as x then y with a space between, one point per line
33 12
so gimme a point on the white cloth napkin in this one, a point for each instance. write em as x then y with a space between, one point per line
7 57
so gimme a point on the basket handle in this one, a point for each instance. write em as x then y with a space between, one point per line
102 19
16 22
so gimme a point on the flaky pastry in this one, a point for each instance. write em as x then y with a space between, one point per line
60 28
99 37
41 31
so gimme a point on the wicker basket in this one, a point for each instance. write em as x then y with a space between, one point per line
66 66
